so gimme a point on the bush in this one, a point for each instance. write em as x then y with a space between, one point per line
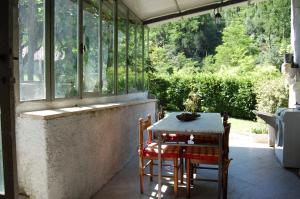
271 94
226 94
259 130
218 94
158 87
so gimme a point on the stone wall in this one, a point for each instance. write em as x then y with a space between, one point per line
65 153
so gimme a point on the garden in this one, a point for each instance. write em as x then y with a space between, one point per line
232 66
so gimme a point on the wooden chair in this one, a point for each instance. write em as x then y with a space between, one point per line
209 139
149 151
173 138
208 155
160 113
225 119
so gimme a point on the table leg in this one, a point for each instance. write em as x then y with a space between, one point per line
159 167
220 176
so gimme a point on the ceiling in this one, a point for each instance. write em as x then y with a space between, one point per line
154 11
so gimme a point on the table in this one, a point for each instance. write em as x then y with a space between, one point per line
207 124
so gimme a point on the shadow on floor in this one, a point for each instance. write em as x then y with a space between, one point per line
254 174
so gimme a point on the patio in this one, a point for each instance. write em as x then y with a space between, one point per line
254 173
67 136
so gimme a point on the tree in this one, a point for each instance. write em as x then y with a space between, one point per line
237 49
196 37
268 23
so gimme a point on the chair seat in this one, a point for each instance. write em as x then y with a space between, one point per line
205 154
151 151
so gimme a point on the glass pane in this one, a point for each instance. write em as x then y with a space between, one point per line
65 44
147 59
132 55
122 21
139 65
107 49
31 50
1 161
91 76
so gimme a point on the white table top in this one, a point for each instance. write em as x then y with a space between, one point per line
210 123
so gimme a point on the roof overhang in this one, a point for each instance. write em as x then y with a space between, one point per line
155 11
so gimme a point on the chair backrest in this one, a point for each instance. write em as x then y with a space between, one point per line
226 139
225 119
143 125
161 113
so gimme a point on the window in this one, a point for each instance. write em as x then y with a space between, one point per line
132 54
107 48
91 31
31 50
72 44
122 24
66 51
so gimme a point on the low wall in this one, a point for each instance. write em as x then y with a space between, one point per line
73 152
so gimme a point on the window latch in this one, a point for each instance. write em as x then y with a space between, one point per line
82 48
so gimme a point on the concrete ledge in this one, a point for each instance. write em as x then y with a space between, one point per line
71 111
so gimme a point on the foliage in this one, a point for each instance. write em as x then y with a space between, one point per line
218 94
193 102
194 37
268 23
234 68
236 52
271 94
158 87
257 130
162 61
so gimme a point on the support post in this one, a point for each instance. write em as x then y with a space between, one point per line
294 89
8 59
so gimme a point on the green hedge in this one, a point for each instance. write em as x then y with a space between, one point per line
219 94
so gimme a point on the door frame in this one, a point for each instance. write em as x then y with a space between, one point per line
8 57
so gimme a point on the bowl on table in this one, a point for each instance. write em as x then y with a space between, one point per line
185 117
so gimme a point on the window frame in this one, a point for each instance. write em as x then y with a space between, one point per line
49 51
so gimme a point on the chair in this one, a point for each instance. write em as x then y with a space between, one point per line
173 138
208 155
210 139
149 151
225 119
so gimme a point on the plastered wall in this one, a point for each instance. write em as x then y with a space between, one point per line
73 156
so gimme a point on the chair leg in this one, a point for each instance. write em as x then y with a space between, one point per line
225 184
176 177
192 167
181 170
225 177
151 170
141 165
188 177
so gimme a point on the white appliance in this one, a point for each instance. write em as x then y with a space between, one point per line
287 141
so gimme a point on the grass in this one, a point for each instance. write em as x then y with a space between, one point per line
246 126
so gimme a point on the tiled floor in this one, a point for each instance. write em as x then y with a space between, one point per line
254 174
